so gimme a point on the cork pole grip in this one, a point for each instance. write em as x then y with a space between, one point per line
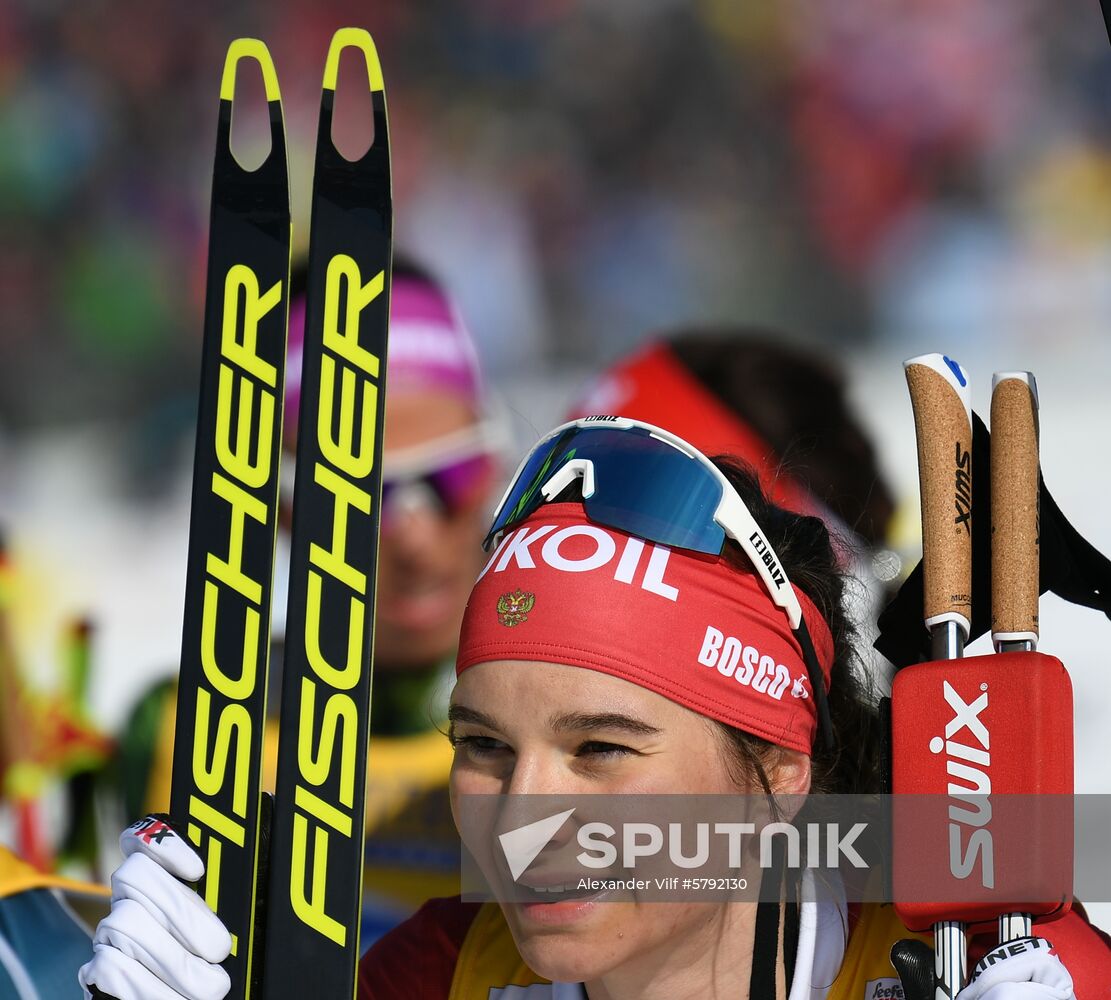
939 397
1014 508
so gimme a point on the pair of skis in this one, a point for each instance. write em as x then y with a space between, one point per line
286 881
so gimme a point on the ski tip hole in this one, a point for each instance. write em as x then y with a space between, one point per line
357 38
248 65
352 101
249 48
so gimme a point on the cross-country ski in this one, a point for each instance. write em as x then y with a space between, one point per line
215 794
316 852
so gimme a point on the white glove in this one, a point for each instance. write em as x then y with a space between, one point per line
1019 970
160 941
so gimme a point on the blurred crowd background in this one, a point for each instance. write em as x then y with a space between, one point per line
580 171
878 178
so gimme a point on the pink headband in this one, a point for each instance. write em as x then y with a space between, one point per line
429 347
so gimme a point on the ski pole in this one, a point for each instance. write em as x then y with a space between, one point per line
940 399
982 756
1014 538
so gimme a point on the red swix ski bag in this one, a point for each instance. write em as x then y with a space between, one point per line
982 775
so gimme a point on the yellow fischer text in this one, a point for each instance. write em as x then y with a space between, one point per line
246 404
336 593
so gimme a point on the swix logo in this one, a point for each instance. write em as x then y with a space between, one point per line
969 763
764 550
745 664
521 549
152 828
962 494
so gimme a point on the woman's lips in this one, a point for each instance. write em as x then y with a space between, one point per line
561 912
560 897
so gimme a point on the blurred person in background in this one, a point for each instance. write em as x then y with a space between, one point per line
47 744
440 464
783 409
44 930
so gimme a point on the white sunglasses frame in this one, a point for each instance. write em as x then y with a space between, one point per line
731 514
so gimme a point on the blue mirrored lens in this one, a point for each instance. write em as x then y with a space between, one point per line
641 485
525 496
648 488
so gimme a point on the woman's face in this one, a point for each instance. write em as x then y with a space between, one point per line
531 728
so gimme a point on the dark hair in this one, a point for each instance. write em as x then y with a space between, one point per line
808 558
796 401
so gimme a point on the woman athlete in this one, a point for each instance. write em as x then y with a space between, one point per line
620 561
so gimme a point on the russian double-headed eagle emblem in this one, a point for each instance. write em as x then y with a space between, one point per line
514 608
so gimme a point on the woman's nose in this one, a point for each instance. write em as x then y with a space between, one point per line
537 790
538 773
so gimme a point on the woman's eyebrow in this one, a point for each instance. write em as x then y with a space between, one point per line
460 713
578 721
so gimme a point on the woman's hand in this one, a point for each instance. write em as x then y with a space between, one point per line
160 941
1025 969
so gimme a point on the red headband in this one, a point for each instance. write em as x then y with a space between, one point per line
561 589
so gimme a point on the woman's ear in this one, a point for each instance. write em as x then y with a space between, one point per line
791 775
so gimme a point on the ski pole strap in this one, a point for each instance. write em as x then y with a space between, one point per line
1070 566
765 942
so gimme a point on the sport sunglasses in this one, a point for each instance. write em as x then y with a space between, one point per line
455 469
